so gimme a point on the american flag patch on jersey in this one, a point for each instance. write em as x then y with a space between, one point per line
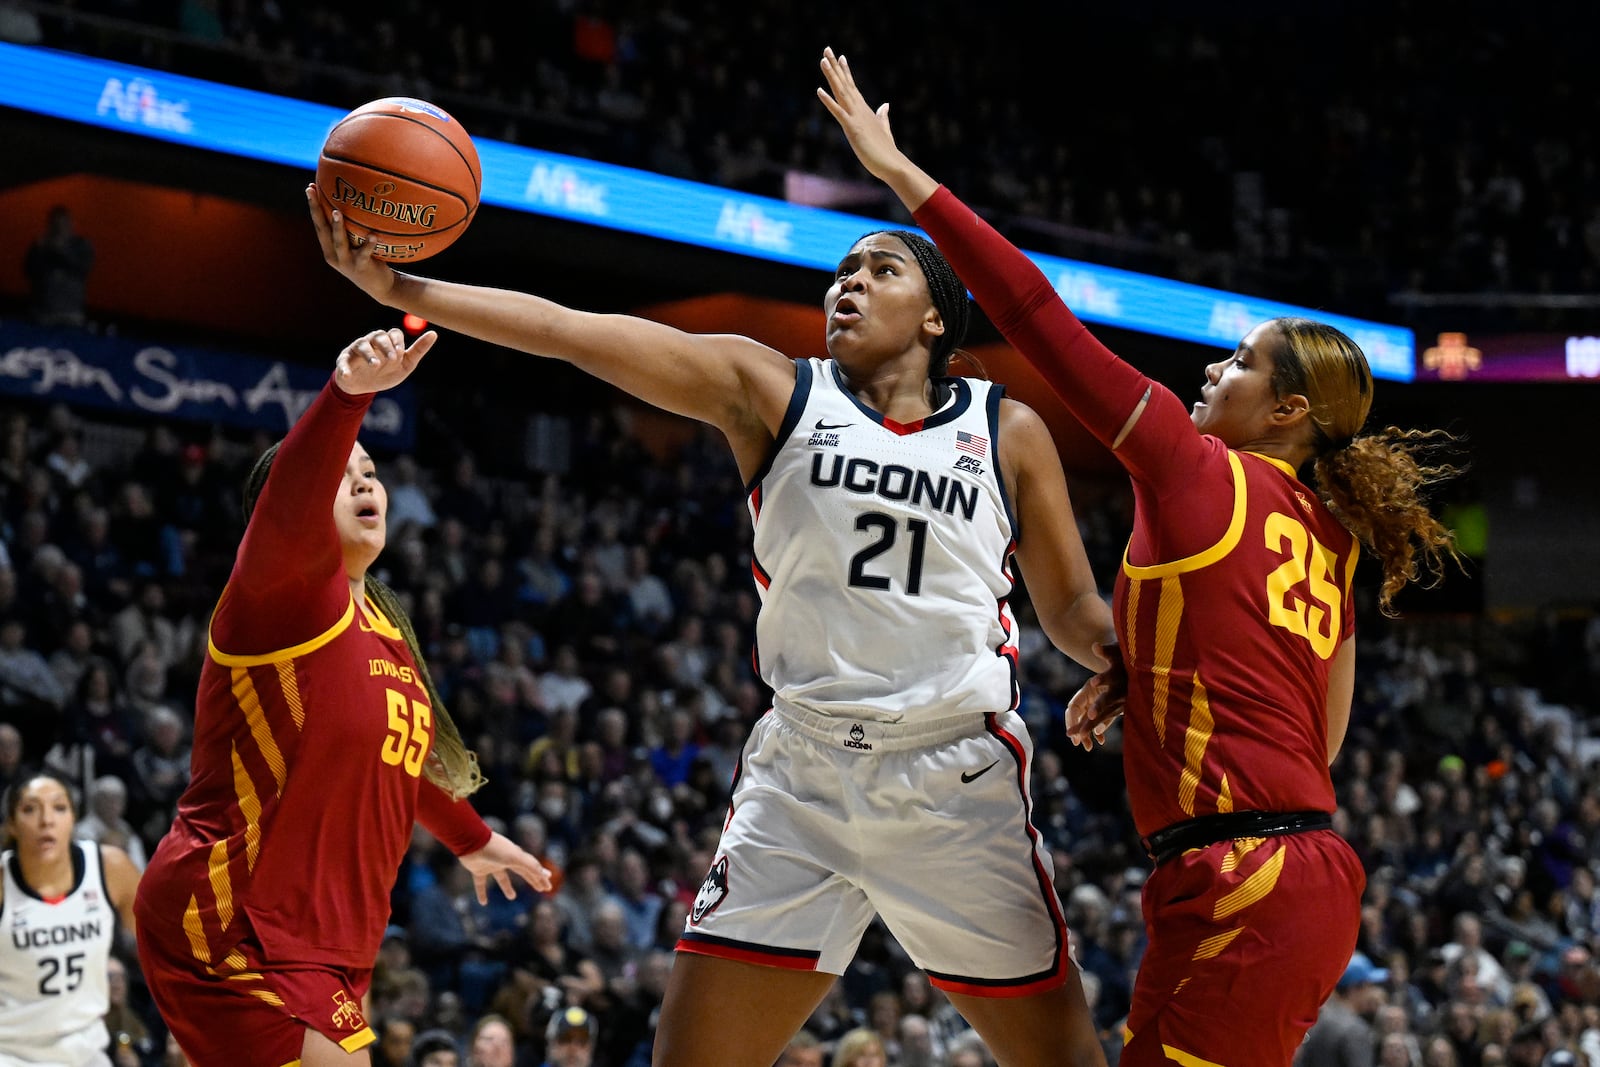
971 443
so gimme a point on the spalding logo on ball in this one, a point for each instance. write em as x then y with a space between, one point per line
404 174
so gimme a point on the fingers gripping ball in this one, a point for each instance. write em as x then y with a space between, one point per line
404 174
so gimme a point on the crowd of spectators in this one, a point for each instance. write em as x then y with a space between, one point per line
1321 157
588 612
590 627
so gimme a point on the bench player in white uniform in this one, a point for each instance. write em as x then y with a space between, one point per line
892 775
60 905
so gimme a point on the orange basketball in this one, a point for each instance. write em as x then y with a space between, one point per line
404 174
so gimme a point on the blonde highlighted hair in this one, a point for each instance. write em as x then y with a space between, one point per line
1375 482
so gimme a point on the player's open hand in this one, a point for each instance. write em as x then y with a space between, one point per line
867 130
1099 703
380 360
373 276
500 859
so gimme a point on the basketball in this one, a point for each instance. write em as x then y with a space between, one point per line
404 174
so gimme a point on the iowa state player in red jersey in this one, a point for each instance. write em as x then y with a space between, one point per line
1234 616
319 740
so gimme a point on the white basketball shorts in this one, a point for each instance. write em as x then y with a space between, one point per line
832 821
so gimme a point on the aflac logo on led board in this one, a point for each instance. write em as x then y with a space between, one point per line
1088 294
137 101
747 224
563 188
1230 321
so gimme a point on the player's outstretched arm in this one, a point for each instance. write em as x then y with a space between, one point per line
1104 393
733 382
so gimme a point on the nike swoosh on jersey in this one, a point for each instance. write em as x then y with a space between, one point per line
972 776
832 425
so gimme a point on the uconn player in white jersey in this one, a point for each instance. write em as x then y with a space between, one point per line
59 907
891 776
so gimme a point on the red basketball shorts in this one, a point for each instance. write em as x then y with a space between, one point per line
1247 938
248 1009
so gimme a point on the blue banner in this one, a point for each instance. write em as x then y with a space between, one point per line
203 385
276 129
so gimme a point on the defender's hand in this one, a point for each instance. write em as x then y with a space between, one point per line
380 361
867 130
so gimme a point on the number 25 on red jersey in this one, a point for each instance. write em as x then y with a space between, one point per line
1302 595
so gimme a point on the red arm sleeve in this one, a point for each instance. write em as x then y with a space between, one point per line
1099 389
454 822
288 583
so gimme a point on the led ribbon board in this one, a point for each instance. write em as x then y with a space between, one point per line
277 129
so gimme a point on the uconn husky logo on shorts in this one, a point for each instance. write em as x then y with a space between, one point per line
858 738
713 891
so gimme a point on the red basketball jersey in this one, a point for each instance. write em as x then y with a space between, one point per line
311 728
1228 648
1234 594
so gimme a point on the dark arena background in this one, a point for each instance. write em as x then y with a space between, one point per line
578 564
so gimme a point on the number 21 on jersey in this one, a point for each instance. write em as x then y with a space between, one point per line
1302 596
406 744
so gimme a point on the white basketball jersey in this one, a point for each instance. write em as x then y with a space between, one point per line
882 556
53 966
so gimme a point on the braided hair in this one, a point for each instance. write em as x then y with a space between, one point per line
949 296
450 765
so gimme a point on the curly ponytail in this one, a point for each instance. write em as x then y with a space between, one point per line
1376 486
450 764
1374 483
